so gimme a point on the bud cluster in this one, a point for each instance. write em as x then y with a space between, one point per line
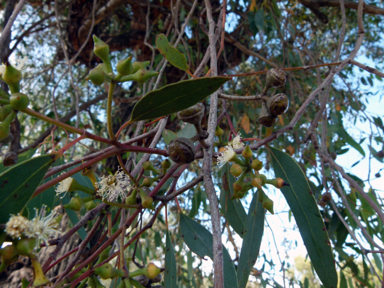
126 69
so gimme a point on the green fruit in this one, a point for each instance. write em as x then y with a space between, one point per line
19 101
12 77
74 204
4 131
236 170
139 65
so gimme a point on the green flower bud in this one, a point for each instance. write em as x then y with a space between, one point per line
139 65
12 77
5 125
103 255
131 199
257 165
90 205
146 201
140 76
127 283
107 271
165 164
257 182
268 204
147 181
74 204
19 101
148 166
236 170
121 284
219 131
150 271
4 111
101 49
93 282
97 76
124 66
26 246
247 152
278 182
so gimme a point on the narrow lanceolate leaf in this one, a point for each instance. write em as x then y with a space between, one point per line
304 208
174 56
200 241
254 229
175 97
170 273
19 183
233 210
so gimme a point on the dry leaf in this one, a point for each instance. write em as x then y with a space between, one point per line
246 124
290 149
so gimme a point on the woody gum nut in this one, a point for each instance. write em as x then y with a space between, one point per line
266 118
278 104
327 196
10 158
193 114
181 150
275 78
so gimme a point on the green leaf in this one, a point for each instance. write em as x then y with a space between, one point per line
200 241
170 53
175 97
188 131
343 280
18 184
304 208
233 210
168 136
170 273
378 262
252 240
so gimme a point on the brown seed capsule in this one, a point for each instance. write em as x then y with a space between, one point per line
266 118
278 104
275 78
193 115
10 158
322 203
326 197
181 150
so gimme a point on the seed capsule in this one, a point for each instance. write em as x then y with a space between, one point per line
275 78
266 118
193 114
10 158
181 150
278 104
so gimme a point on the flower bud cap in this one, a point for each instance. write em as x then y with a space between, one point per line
139 65
124 66
257 165
247 152
101 49
236 170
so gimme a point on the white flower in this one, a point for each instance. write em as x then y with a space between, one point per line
19 65
236 142
113 186
64 186
225 156
16 226
41 227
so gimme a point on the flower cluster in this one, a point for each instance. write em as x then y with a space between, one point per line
40 227
228 152
112 186
64 186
